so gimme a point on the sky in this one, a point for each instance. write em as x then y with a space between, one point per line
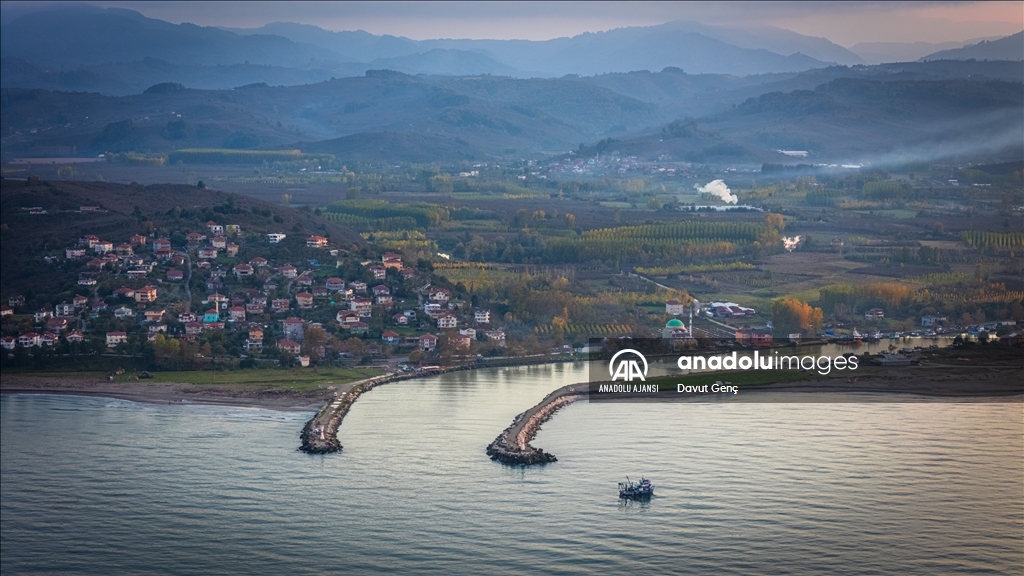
845 23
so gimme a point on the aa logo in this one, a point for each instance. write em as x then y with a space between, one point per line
626 368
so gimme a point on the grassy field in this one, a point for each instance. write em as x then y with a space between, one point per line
301 379
297 379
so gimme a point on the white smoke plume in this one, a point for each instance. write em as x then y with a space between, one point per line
718 188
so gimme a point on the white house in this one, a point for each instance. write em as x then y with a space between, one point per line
675 308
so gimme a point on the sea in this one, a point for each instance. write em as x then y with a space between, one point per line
102 486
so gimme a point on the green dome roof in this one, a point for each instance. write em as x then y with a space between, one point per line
674 323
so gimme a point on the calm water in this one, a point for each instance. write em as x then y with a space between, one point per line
100 486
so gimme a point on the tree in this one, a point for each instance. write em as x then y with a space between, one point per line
790 315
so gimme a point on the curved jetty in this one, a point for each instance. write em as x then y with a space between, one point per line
512 446
320 434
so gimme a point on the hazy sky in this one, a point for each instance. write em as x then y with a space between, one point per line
845 23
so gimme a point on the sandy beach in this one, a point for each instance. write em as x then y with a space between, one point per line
86 384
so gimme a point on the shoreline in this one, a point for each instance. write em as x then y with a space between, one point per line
166 393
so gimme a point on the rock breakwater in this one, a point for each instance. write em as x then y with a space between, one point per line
513 447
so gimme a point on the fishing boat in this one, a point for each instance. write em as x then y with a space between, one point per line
852 340
641 489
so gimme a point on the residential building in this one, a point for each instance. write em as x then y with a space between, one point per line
428 342
236 314
214 228
232 249
64 309
335 284
675 308
874 315
345 317
288 271
294 328
755 336
362 306
289 346
445 321
57 324
280 304
154 315
115 338
390 337
304 300
145 294
482 316
274 238
242 270
316 242
461 341
207 253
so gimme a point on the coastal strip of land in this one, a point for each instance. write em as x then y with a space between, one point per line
512 446
155 392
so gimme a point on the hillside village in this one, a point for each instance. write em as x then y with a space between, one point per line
225 293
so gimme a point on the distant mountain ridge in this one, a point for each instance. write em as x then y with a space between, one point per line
388 116
1008 48
82 35
78 36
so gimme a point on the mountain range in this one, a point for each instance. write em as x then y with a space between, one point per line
84 80
388 116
